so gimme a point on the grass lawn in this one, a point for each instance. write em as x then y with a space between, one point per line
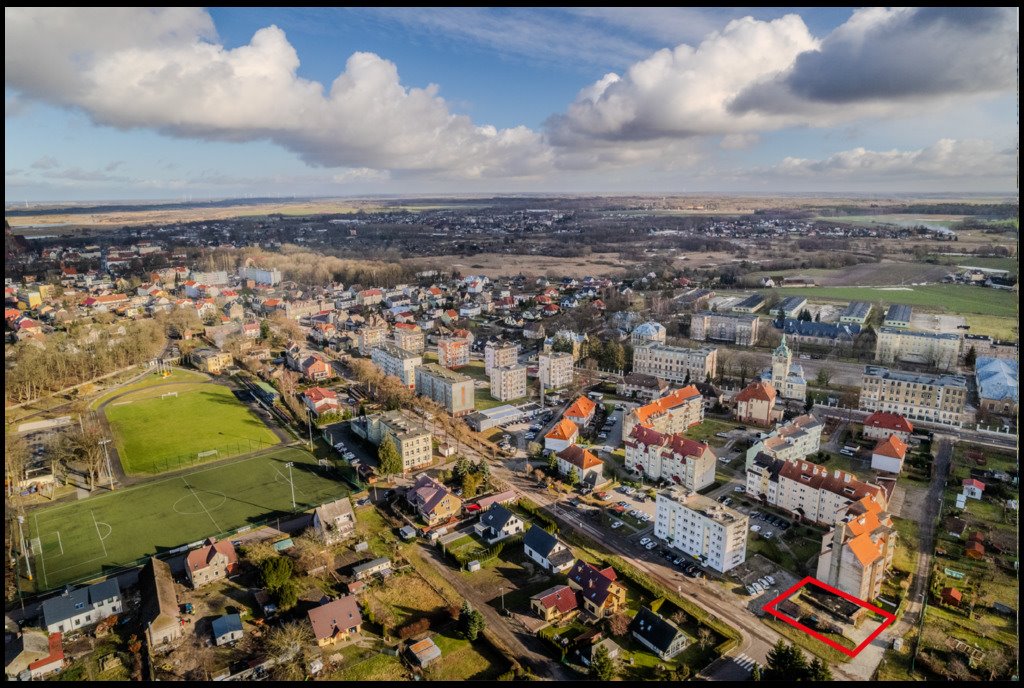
995 326
154 434
379 667
705 431
461 660
953 298
152 379
768 549
905 558
484 401
80 540
811 644
408 596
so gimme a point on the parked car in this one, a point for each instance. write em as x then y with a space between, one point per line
738 488
769 535
770 579
755 528
652 545
723 435
784 525
764 583
677 561
751 591
602 436
758 588
617 524
645 541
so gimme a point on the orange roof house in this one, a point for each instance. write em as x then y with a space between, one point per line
561 436
756 403
581 412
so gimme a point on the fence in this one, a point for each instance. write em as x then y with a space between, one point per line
225 451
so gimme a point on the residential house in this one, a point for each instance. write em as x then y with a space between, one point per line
973 488
211 562
320 400
159 605
75 609
598 589
888 455
367 569
315 368
673 413
545 549
581 412
500 498
226 629
432 500
32 655
334 521
881 425
562 435
336 621
497 524
658 634
586 645
641 386
589 468
508 382
755 404
557 604
951 596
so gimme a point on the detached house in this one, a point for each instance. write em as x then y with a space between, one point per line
888 455
660 635
545 549
498 523
334 521
598 590
563 435
881 425
581 412
432 500
557 604
213 561
335 621
756 404
589 468
80 608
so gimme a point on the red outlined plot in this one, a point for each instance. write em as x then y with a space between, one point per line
811 580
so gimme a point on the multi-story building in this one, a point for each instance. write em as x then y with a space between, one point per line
589 469
808 491
998 385
935 349
499 354
213 561
672 457
930 398
452 352
508 382
755 404
881 426
412 440
452 390
267 276
397 362
733 328
786 377
676 363
409 336
797 439
647 333
371 335
640 386
672 413
713 533
858 551
555 369
80 608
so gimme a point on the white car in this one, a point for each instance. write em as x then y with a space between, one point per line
755 528
348 456
737 489
771 581
652 545
340 446
764 583
769 535
723 435
645 541
758 588
617 524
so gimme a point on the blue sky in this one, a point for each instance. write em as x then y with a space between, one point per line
134 103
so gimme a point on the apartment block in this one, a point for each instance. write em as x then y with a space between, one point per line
452 390
797 439
409 337
555 369
398 362
508 382
675 363
371 336
498 354
412 439
808 491
857 553
673 457
713 533
452 352
672 413
268 276
932 398
733 328
935 349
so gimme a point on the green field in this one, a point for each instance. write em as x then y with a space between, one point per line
156 433
954 298
81 540
151 380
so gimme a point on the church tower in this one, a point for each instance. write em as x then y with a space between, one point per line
782 359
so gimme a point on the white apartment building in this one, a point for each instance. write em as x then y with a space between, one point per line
508 382
793 441
498 354
934 398
409 337
555 369
397 362
268 276
412 440
936 349
452 390
675 363
713 533
809 491
657 455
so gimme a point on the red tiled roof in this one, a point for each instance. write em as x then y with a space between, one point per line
888 421
894 447
564 429
579 457
760 391
971 482
56 652
667 403
562 598
335 617
581 408
316 394
200 558
836 481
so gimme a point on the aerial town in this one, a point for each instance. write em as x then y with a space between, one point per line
526 436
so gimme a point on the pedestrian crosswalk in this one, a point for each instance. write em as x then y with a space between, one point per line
744 661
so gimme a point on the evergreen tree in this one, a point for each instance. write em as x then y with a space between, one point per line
971 357
574 477
755 672
809 403
471 622
603 665
461 469
552 462
819 671
786 662
389 458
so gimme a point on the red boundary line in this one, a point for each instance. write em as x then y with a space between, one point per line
889 617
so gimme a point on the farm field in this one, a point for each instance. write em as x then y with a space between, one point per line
83 539
155 432
957 298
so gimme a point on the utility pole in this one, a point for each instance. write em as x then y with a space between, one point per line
309 426
291 481
110 473
21 538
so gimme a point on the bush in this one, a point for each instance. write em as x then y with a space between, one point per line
414 628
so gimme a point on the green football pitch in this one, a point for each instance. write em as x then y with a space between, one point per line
164 427
84 539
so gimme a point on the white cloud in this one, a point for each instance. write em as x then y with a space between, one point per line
159 69
946 158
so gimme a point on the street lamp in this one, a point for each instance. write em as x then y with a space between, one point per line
309 426
110 473
21 535
291 481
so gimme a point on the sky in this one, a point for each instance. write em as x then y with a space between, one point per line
173 103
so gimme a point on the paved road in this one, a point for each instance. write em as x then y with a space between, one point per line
530 650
